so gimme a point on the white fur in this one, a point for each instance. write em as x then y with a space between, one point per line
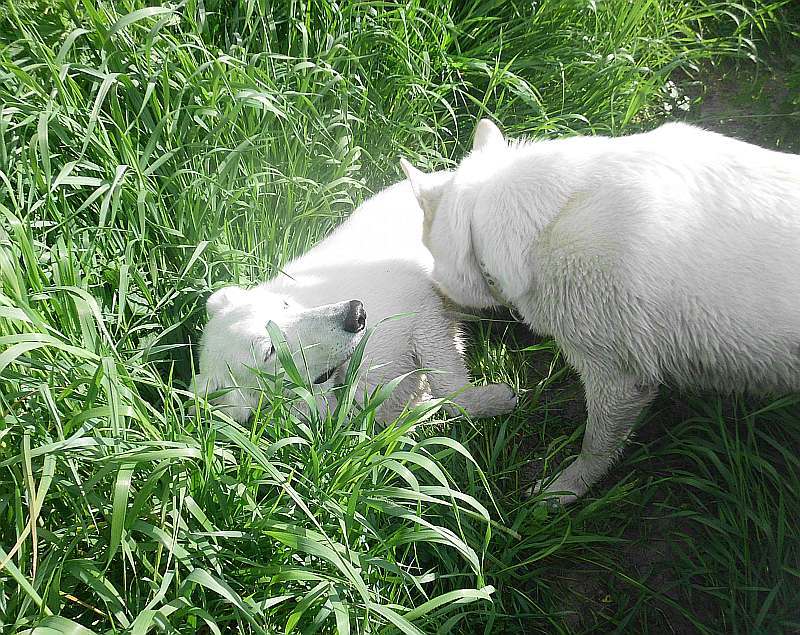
377 257
671 256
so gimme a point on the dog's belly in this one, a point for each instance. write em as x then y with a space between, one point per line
669 338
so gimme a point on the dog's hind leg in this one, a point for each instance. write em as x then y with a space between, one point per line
613 405
438 348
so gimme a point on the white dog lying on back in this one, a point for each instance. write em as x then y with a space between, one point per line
376 257
671 256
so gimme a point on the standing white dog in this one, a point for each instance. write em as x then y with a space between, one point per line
373 265
671 256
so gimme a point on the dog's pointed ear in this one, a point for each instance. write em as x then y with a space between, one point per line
487 135
428 188
223 299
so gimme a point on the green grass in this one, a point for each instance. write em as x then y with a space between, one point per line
150 154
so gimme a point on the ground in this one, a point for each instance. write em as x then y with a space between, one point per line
758 104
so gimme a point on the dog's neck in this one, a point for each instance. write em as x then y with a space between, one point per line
495 289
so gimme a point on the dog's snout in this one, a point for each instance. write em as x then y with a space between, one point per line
356 318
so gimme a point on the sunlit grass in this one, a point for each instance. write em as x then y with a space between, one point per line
151 153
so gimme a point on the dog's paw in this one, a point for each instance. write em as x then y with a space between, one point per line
500 399
551 496
567 487
488 401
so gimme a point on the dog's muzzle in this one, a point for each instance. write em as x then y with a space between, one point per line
356 318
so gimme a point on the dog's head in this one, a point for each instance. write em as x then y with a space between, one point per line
236 346
447 225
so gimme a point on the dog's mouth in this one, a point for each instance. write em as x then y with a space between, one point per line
348 353
326 375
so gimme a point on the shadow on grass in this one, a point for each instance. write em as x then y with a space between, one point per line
693 531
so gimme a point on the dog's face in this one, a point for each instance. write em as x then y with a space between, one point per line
236 346
447 226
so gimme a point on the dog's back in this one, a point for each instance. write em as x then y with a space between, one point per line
681 256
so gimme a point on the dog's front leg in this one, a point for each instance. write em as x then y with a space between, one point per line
613 405
449 378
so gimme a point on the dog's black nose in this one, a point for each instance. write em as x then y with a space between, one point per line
356 318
